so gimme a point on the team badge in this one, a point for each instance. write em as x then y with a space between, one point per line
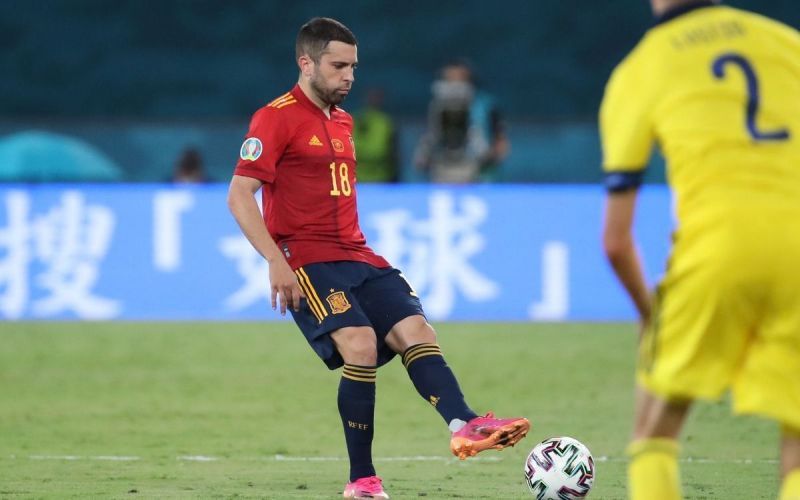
338 302
338 145
251 149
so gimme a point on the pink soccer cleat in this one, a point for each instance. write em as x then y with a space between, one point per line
365 488
487 432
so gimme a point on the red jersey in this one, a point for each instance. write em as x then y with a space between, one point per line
308 164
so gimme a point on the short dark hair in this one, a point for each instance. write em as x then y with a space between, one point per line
314 37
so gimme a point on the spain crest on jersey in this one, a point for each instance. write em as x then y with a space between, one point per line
338 302
251 149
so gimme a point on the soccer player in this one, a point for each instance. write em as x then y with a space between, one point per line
354 309
719 90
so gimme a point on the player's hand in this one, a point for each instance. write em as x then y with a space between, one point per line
285 288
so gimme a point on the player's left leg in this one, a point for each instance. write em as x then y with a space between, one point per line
790 464
395 311
436 383
653 469
415 340
396 314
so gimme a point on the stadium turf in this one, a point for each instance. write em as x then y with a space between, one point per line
238 410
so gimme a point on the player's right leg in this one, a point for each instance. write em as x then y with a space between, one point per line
653 468
790 464
768 383
700 331
356 401
337 329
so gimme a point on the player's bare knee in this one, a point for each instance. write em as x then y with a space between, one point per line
356 345
410 331
359 353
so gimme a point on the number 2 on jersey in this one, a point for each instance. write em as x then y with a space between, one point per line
341 182
753 97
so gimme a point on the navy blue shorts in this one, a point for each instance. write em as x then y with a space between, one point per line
345 293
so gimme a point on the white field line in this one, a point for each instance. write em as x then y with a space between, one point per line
111 458
414 458
197 458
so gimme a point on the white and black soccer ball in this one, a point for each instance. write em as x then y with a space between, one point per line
559 468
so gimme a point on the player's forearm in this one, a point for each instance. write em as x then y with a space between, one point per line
620 249
625 262
245 210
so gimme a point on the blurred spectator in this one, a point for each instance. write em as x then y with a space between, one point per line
465 139
189 168
376 136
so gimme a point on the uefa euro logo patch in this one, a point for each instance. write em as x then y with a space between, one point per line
251 149
338 302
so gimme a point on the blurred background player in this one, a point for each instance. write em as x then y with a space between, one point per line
466 138
376 135
354 309
719 90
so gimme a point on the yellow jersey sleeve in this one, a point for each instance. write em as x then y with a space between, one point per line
625 122
718 90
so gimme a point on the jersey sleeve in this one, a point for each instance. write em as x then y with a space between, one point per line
626 129
263 145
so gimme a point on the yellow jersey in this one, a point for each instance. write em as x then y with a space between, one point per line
718 90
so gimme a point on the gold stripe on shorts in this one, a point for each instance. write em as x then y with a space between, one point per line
311 305
311 295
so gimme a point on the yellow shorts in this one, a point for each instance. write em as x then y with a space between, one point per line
727 315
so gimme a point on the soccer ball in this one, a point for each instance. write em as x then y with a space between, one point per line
559 468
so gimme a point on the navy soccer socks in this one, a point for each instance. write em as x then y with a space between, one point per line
357 409
435 382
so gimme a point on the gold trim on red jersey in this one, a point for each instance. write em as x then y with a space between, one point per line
284 100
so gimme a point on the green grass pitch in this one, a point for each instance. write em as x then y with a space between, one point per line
240 410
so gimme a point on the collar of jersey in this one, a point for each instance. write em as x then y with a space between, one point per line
674 12
303 99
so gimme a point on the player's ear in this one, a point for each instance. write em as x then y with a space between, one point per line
306 65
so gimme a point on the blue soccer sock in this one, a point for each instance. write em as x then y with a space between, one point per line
357 409
435 382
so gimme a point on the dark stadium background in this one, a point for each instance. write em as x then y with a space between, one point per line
141 80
